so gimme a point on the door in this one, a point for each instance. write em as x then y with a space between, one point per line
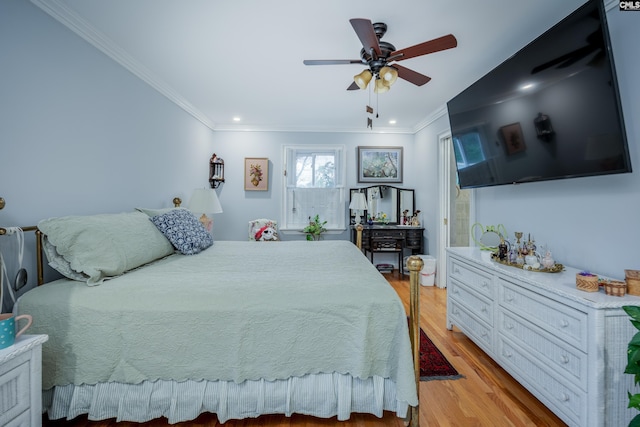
455 208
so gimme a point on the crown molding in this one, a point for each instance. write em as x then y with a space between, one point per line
435 115
375 130
70 19
75 23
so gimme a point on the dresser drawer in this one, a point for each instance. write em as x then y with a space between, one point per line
14 388
413 239
477 279
564 322
565 359
477 330
390 233
476 303
569 402
22 420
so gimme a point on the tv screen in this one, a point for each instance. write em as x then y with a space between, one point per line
550 111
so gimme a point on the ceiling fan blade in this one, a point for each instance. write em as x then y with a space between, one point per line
560 59
366 34
331 61
578 55
435 45
353 86
411 76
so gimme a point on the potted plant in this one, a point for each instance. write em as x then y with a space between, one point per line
633 359
315 228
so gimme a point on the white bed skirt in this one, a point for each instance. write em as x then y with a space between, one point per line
320 395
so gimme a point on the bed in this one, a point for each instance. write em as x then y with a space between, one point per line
139 330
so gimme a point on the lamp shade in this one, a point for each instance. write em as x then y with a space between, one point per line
388 75
205 201
358 202
381 87
363 79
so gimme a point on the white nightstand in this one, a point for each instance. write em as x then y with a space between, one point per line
21 382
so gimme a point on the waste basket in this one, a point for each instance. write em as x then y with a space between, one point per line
428 272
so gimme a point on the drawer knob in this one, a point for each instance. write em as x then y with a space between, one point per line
507 353
564 323
456 270
564 358
564 397
509 326
509 298
484 309
484 284
485 334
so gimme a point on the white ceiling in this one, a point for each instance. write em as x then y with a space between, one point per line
220 59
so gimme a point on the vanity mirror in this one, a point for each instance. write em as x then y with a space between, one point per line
384 199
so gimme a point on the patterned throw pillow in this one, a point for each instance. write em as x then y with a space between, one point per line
183 230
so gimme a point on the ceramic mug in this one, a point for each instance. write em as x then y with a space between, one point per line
8 333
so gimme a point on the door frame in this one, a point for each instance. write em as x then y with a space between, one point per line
445 153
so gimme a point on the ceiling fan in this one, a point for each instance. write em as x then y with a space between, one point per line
595 44
381 57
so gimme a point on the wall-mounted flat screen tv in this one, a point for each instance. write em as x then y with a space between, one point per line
551 111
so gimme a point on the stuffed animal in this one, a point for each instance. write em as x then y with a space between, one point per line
266 233
263 230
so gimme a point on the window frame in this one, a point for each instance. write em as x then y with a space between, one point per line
337 220
459 147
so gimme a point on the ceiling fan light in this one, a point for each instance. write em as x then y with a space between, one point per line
363 79
389 75
380 87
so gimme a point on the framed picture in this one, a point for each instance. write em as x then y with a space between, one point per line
380 164
513 138
256 174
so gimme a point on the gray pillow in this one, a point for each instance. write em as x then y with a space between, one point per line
105 245
58 263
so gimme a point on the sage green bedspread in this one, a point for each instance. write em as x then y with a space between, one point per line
236 311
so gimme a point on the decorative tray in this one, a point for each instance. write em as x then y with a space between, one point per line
556 268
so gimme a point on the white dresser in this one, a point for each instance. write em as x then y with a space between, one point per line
21 382
566 346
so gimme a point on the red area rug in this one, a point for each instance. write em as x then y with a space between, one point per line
433 364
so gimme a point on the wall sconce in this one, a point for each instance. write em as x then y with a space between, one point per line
544 130
216 171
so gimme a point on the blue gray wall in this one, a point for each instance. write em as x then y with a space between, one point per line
589 223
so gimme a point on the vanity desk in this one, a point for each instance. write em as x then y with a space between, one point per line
566 346
390 238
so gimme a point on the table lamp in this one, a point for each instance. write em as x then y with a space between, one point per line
358 203
205 201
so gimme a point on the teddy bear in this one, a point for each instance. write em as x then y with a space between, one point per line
266 233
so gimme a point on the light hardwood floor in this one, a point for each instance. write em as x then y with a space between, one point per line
486 396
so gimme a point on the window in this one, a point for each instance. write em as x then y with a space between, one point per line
314 185
468 149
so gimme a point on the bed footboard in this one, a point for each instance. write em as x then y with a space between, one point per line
414 264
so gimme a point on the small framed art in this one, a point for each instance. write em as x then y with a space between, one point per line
256 174
513 138
380 164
